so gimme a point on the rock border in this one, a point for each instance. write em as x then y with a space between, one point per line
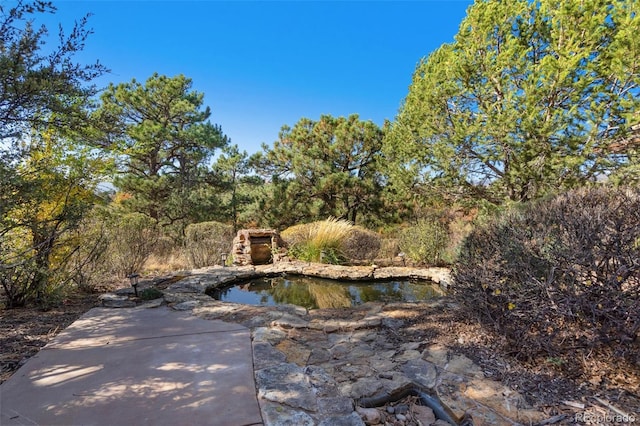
201 280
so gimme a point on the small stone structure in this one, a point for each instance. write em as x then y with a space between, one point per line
256 247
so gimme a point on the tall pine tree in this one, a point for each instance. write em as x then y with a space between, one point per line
529 98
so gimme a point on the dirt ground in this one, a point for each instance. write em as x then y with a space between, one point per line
596 383
23 331
600 384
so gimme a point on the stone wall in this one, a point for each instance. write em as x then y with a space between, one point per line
256 247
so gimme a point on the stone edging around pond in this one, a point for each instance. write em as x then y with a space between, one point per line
311 367
191 285
200 280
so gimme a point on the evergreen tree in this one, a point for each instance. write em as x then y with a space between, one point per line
161 134
529 98
236 183
330 165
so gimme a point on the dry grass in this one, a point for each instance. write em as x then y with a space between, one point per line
329 233
166 263
318 241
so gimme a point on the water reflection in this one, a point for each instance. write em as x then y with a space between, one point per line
314 293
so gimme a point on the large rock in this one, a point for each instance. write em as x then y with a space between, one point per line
286 384
361 388
278 415
421 372
265 355
352 419
440 276
337 272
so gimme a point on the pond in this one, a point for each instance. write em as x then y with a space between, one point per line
314 293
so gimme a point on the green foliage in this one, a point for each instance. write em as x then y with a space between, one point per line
150 294
529 98
277 205
329 167
238 186
163 134
558 275
47 177
205 242
42 86
55 188
425 242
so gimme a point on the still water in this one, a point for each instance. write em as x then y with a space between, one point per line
314 293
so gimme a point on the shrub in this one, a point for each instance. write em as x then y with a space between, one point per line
16 281
88 262
459 228
151 294
361 244
558 276
132 238
389 248
318 241
206 241
425 242
168 255
74 261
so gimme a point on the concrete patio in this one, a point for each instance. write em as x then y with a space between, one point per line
137 366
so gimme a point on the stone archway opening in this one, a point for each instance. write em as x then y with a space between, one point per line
256 247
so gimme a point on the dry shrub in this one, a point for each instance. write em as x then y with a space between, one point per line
361 244
389 248
168 255
89 262
205 243
459 229
166 247
296 234
131 238
559 276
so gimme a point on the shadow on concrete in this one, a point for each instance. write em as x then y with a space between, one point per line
137 366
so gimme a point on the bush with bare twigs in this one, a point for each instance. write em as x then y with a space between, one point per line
361 245
132 238
205 243
559 276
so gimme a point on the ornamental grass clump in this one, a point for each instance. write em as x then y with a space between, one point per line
318 241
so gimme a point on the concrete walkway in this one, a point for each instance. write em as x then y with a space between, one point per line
137 367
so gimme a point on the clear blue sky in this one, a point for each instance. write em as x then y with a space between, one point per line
265 64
